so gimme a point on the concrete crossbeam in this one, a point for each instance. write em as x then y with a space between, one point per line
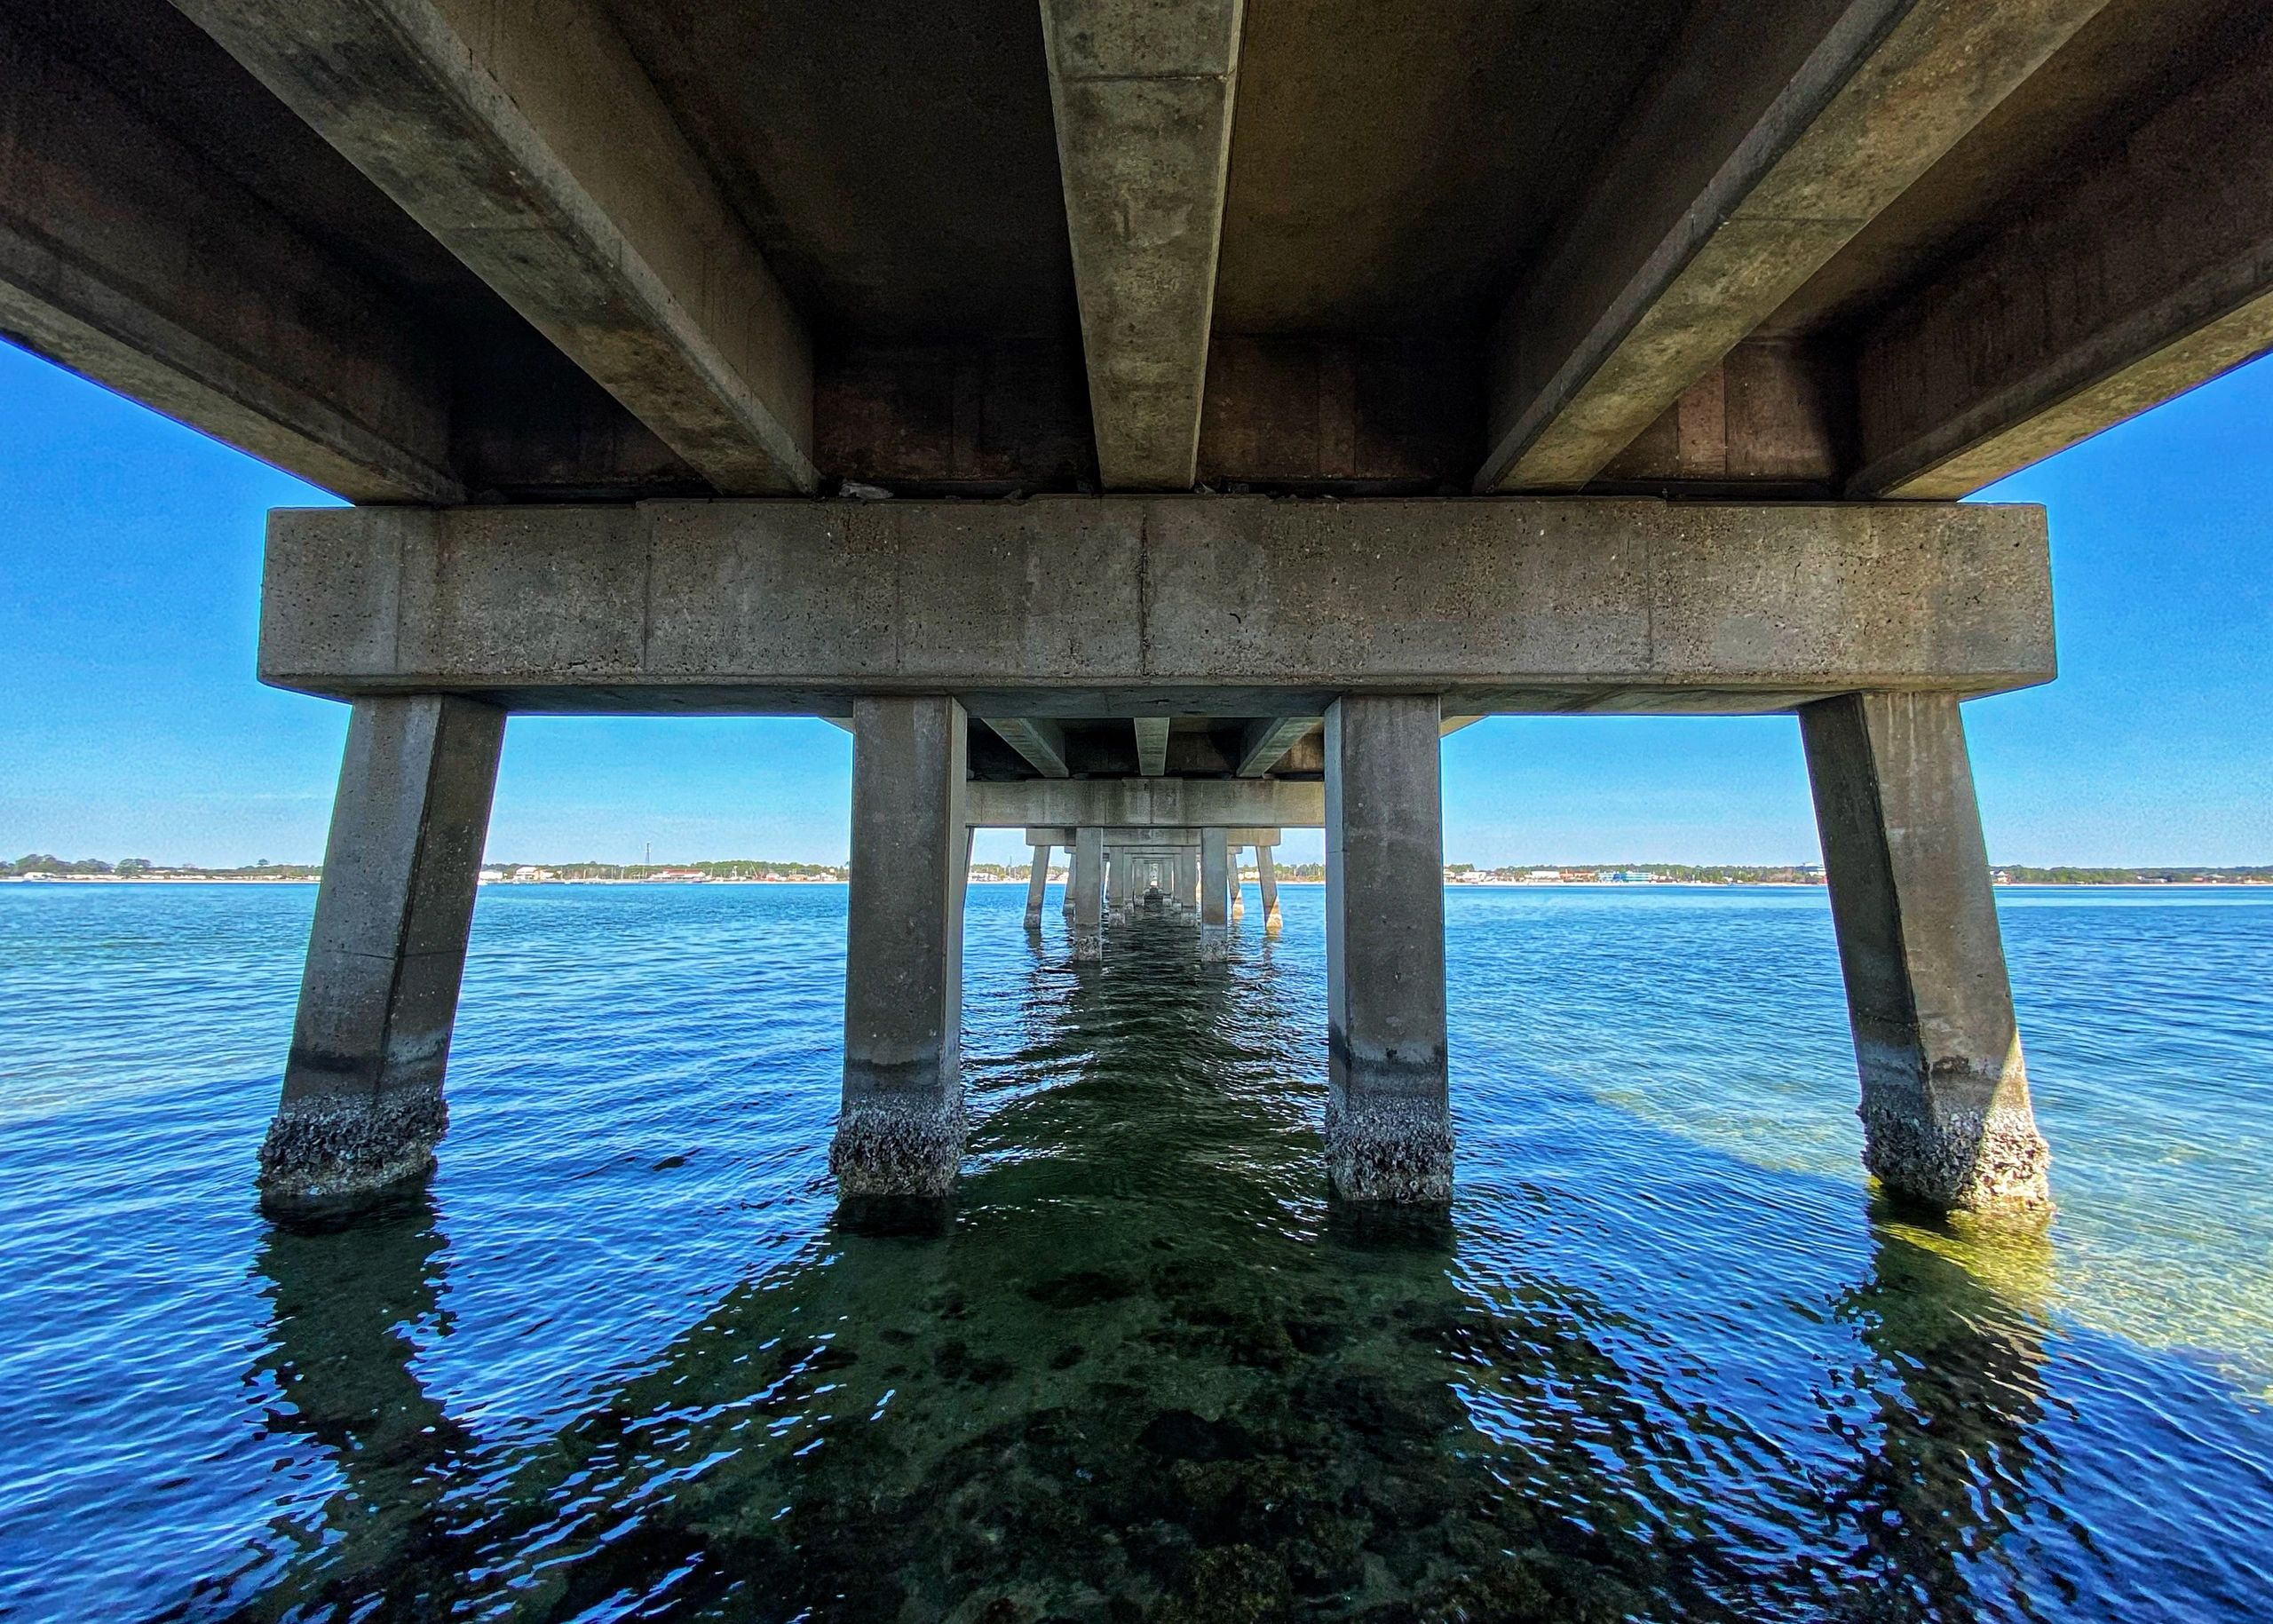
1147 804
1763 145
1142 93
135 261
1502 606
1038 739
530 142
2135 278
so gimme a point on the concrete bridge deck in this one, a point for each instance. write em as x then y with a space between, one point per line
1229 394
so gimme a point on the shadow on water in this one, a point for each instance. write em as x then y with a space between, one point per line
1144 1370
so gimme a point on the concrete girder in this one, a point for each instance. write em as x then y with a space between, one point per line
1757 153
1503 605
1267 740
135 261
1152 745
530 143
1150 838
1142 94
1041 740
2132 280
1134 803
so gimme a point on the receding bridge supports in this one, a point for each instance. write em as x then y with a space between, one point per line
1037 886
362 1106
1388 1133
1946 1121
901 1129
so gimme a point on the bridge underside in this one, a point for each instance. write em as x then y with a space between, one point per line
1144 415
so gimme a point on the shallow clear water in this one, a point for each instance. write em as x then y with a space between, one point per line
1666 1359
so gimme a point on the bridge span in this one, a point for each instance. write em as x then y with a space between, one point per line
1150 424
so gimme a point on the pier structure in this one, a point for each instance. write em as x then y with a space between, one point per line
1128 416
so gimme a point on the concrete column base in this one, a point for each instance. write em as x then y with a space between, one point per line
323 1153
362 1108
1215 897
1388 1134
1086 882
897 1144
1979 1158
1386 1147
1946 1119
900 1131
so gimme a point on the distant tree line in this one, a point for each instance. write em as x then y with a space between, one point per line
131 867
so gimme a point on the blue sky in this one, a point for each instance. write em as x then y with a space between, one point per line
130 724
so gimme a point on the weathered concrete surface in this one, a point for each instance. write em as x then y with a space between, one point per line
1069 607
1142 97
1388 1133
1765 144
1215 894
1267 881
1238 893
362 1100
130 257
1086 882
530 142
2134 278
1945 1112
1128 803
901 1129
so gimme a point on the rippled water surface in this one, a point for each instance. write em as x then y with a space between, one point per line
1668 1360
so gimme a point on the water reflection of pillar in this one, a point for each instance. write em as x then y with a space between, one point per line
1950 1451
341 1300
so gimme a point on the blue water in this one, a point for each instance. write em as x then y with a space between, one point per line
1668 1360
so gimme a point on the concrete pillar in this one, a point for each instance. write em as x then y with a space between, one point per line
1238 896
1388 1121
1215 894
1187 872
1118 864
1037 886
1088 883
1267 879
901 1129
362 1099
1946 1120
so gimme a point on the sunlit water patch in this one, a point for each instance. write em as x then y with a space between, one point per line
1666 1360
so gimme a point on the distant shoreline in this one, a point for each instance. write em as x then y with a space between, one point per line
313 879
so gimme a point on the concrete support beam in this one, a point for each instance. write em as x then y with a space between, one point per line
1215 894
1152 745
1037 886
1524 604
1267 740
1142 91
900 1132
1087 886
2131 280
1147 802
362 1101
1150 840
1238 893
530 142
134 261
1946 1120
1768 140
1388 1134
1041 740
1267 881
